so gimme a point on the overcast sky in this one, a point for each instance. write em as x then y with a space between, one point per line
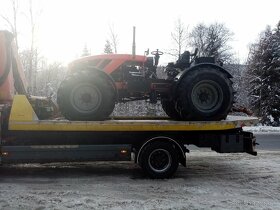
65 26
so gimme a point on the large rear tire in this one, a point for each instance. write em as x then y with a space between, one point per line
205 94
169 107
86 95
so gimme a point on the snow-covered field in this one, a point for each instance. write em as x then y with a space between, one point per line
210 181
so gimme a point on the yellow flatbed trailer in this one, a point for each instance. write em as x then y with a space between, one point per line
158 144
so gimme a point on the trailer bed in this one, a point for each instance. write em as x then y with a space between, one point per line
139 124
22 117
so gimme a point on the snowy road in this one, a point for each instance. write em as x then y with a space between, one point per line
210 181
268 141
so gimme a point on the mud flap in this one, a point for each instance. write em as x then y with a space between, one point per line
250 143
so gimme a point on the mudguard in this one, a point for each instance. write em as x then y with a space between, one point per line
182 74
193 68
99 71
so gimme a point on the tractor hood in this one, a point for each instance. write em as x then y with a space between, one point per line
106 62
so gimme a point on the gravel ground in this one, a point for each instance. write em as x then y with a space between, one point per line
210 181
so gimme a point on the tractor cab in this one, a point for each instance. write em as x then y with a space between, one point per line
185 60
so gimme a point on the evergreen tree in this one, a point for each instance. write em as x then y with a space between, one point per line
85 51
264 71
108 47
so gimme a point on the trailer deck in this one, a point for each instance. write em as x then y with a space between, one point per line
23 118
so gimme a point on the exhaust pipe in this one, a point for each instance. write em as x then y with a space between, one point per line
133 43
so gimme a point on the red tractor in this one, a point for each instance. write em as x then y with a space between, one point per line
196 88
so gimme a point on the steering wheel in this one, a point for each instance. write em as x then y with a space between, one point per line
195 52
157 55
194 55
157 52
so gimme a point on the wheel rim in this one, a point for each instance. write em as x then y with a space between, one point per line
160 160
207 96
86 98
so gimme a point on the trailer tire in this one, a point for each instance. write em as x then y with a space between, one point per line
86 95
159 160
205 94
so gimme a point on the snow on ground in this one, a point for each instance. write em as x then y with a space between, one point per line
262 129
210 181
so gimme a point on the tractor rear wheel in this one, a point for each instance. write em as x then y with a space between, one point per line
86 95
169 107
205 94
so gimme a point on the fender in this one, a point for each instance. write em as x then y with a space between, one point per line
182 74
99 71
105 75
180 147
179 77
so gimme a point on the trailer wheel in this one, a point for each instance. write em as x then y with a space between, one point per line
86 95
159 160
169 107
205 94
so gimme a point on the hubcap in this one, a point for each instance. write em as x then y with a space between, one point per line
86 98
160 160
207 96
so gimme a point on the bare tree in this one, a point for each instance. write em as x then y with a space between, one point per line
108 47
212 40
49 78
179 37
31 59
12 22
33 17
30 56
113 38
